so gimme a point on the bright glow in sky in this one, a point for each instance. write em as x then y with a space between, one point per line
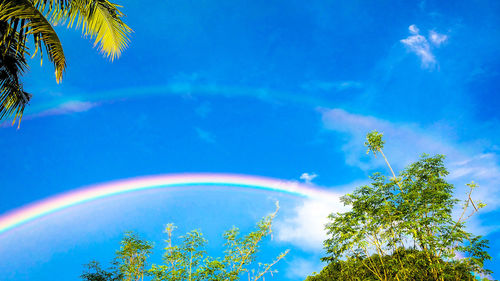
278 89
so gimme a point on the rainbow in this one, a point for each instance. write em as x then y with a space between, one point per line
178 89
53 204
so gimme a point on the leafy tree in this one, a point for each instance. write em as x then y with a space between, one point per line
189 260
94 272
401 228
415 263
21 20
132 256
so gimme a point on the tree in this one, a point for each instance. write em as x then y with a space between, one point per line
21 20
94 272
414 263
132 256
401 228
189 260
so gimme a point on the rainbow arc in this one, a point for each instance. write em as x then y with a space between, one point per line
56 203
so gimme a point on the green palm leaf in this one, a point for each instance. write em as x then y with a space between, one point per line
38 26
99 19
21 19
13 98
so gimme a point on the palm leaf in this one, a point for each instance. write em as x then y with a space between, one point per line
19 19
38 26
13 98
99 19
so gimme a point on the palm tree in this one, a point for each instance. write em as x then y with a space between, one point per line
21 20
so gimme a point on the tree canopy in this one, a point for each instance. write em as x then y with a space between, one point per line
402 228
189 260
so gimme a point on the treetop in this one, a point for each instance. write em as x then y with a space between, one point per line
374 142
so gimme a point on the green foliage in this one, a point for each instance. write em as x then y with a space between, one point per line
94 272
12 65
181 262
402 228
405 264
189 260
132 256
24 20
374 142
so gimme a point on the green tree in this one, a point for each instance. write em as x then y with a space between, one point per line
94 272
414 263
189 260
401 228
132 256
21 20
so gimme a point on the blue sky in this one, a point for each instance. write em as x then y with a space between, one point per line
270 88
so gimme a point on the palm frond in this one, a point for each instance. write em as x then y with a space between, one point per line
13 98
37 25
99 19
20 19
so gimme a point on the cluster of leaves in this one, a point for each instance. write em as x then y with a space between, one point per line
189 260
414 262
24 19
13 63
401 228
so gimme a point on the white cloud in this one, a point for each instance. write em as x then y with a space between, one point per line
413 29
419 45
436 38
307 178
405 142
306 227
68 108
205 135
402 136
482 166
357 126
331 86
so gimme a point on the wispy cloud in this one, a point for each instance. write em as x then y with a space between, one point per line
331 86
413 29
405 142
70 107
307 178
357 126
436 38
419 45
481 166
205 135
304 226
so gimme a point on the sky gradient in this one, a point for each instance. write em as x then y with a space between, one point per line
278 89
